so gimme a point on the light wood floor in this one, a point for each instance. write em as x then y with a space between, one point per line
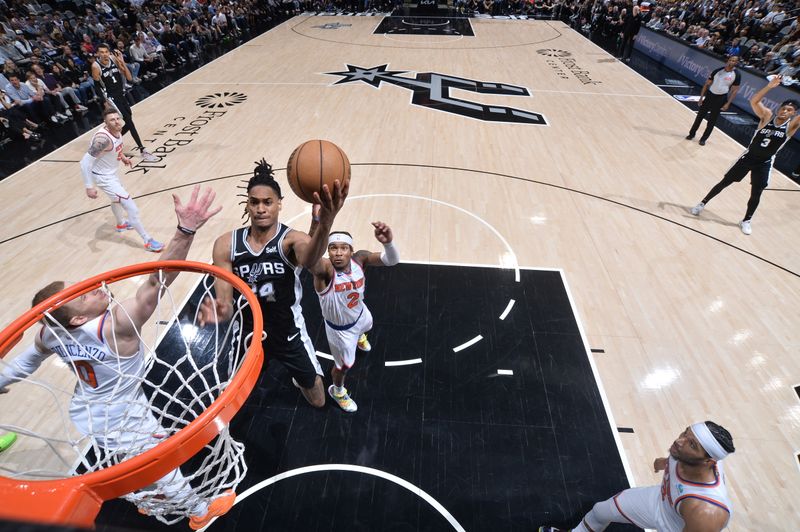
697 320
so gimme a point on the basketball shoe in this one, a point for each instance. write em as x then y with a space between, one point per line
149 157
697 209
125 226
218 507
343 399
746 228
154 245
6 440
363 343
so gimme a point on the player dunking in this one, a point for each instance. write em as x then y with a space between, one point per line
692 496
771 136
99 167
269 256
340 285
110 72
102 344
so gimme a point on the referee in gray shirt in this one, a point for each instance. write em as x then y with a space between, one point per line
716 96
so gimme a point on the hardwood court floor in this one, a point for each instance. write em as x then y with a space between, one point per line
696 320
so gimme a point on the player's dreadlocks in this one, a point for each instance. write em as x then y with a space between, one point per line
263 175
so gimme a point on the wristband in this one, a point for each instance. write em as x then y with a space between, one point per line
185 230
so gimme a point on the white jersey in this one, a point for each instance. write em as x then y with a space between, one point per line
342 302
107 162
108 394
675 490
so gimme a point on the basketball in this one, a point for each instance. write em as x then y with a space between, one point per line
315 163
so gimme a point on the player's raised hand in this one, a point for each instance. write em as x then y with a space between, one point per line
331 203
775 81
383 233
198 210
660 464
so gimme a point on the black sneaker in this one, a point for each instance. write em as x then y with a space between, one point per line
702 142
689 137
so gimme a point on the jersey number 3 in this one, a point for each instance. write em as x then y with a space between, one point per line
765 142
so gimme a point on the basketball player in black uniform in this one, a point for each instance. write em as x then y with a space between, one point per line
269 256
771 136
110 72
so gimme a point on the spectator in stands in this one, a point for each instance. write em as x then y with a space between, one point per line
63 92
38 86
36 106
148 63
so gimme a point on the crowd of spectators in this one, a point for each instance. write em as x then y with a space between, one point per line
47 49
764 34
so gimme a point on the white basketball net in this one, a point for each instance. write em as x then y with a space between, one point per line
151 396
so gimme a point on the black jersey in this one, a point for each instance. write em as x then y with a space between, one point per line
112 78
767 141
274 280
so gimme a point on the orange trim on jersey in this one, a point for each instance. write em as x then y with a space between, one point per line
702 498
700 484
330 285
100 328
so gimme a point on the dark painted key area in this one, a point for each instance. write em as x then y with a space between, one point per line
496 451
421 25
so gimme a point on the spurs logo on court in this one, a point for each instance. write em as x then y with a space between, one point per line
432 90
552 52
221 99
332 26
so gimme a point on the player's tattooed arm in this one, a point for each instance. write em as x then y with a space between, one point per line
99 145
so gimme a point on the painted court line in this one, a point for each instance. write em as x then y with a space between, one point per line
508 309
403 362
466 345
505 372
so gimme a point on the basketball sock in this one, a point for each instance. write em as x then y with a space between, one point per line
338 390
119 213
133 218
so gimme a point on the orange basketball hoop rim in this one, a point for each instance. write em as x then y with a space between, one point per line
76 501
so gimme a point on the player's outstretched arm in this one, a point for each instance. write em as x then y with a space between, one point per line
308 250
220 307
701 516
24 364
388 257
191 217
759 108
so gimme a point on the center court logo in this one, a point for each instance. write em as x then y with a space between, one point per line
552 52
432 90
182 130
332 26
219 100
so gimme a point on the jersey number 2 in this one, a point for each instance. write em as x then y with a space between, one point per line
353 297
86 373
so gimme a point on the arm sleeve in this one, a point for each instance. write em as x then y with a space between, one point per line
390 256
23 366
87 163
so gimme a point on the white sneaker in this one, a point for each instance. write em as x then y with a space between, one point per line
745 225
68 113
697 209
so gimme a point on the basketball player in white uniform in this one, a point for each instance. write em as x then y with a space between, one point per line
692 496
103 347
340 285
99 168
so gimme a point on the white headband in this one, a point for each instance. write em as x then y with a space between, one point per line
340 237
708 441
